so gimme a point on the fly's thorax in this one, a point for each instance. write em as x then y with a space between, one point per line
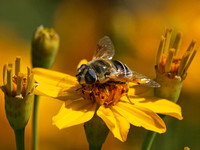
86 75
102 68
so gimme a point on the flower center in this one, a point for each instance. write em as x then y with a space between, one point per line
105 94
14 84
174 66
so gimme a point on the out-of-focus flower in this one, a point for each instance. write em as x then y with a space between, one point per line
108 101
186 148
171 70
18 90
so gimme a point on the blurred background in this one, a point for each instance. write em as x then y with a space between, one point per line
135 28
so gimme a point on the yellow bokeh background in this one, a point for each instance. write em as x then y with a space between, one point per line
135 29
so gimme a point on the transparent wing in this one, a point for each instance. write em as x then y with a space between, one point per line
134 77
105 49
142 79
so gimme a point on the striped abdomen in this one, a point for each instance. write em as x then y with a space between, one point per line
121 69
114 70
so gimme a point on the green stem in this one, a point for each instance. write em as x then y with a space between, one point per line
150 137
94 147
149 140
35 116
19 137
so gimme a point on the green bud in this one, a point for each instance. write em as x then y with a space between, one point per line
170 88
18 110
96 132
45 45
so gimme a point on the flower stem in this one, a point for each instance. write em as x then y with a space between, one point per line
149 140
35 116
94 147
19 137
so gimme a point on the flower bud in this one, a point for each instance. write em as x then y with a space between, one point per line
96 132
45 45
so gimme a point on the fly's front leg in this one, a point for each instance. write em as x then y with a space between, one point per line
126 91
128 98
89 89
106 91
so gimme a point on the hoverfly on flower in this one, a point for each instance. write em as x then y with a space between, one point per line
105 88
106 75
103 69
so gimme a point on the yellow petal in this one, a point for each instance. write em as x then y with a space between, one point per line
74 113
67 93
54 78
55 84
49 90
140 116
159 105
140 91
83 61
117 124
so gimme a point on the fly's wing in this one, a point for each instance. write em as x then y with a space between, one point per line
134 77
105 49
143 80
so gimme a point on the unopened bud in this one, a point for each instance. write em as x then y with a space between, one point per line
45 45
96 132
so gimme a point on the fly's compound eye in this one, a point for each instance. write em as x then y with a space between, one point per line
90 76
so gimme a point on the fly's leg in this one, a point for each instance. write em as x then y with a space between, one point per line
89 90
128 98
105 90
92 97
127 88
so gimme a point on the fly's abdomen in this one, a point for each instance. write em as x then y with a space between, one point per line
122 69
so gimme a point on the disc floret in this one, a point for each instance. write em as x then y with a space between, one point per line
104 94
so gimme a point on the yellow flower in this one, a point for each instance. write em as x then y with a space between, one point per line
109 101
